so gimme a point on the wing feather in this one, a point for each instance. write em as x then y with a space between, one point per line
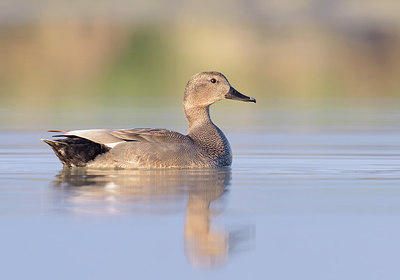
111 138
151 135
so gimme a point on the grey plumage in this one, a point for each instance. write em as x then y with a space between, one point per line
204 146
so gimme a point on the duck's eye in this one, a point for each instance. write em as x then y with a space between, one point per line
213 80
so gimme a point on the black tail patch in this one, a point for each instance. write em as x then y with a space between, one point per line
76 151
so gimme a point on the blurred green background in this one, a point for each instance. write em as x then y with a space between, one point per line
93 53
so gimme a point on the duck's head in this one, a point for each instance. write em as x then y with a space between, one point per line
206 88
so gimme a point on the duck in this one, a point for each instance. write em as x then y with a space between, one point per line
204 146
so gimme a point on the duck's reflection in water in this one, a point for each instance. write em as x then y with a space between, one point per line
154 191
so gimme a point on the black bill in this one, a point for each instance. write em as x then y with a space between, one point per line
235 95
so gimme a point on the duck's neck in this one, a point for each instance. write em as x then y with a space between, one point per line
205 133
198 117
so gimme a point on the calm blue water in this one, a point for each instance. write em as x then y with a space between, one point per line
309 196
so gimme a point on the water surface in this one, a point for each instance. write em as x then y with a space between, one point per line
310 195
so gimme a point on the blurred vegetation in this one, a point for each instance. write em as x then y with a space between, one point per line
90 52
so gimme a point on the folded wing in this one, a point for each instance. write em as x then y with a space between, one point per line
111 138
